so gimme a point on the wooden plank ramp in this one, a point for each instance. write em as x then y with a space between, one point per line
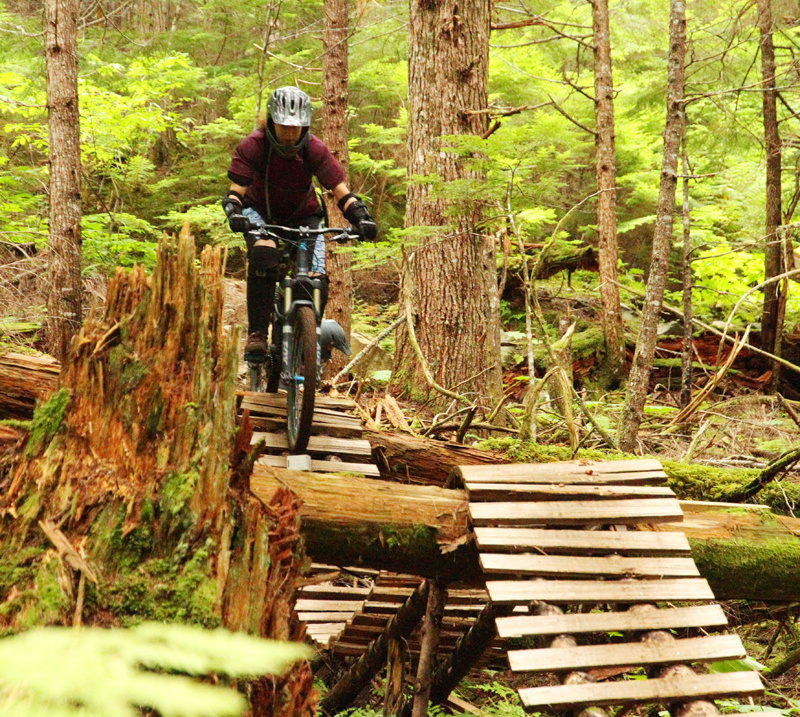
336 444
346 619
566 547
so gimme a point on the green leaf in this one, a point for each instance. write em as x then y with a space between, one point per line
746 665
60 672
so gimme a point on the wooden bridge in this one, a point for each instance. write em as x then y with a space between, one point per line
581 596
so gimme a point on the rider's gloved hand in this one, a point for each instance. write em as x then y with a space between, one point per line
358 215
232 204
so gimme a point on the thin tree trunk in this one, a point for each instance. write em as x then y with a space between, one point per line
335 130
772 141
450 274
429 646
64 302
273 12
636 394
396 662
614 364
687 351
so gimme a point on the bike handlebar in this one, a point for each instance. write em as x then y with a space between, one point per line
342 234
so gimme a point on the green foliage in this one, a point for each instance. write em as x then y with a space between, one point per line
60 672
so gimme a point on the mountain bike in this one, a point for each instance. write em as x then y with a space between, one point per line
293 360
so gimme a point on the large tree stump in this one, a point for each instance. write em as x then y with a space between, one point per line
128 466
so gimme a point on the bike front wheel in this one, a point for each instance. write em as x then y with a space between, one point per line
302 379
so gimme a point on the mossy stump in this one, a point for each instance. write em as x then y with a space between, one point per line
120 506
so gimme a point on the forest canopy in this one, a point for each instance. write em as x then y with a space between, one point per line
167 90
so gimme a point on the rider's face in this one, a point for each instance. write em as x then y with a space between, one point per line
287 134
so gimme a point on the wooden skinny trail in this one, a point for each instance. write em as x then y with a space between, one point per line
569 563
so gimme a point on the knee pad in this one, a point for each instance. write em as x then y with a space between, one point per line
264 261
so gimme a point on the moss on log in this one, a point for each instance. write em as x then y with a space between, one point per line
745 554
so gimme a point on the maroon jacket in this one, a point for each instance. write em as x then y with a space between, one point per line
291 193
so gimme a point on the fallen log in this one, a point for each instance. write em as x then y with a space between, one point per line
415 459
745 554
24 378
415 529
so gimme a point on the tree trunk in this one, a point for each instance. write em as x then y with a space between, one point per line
687 350
744 554
154 16
64 303
450 274
614 363
636 393
132 459
335 129
772 142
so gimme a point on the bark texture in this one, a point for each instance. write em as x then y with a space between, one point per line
335 133
24 379
64 303
132 459
639 379
772 146
606 167
414 459
449 276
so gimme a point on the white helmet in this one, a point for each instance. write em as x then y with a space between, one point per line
290 106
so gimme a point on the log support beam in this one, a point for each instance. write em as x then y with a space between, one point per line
359 675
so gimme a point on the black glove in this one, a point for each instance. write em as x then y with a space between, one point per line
357 214
232 204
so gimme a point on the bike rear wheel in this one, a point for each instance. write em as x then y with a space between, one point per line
302 379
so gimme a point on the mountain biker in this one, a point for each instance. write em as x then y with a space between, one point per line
271 183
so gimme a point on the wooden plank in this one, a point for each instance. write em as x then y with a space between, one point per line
537 491
371 606
333 592
584 541
648 471
659 690
272 424
598 591
627 512
318 444
307 605
320 414
361 619
311 617
454 596
693 649
366 469
329 628
279 399
577 623
578 566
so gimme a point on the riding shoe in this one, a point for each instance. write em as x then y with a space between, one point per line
256 347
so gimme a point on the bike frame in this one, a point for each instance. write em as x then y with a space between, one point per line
299 239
